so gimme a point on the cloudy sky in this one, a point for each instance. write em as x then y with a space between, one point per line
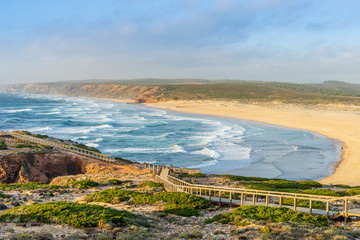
269 40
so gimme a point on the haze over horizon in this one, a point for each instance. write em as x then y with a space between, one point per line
298 41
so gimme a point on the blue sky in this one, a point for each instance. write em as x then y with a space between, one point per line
269 40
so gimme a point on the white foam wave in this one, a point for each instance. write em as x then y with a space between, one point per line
16 110
83 130
207 152
173 149
39 129
92 145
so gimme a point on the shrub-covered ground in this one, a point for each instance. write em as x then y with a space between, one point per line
74 214
40 203
176 203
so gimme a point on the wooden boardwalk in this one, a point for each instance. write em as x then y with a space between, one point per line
243 196
60 146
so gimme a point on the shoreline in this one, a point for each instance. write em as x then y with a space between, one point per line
332 123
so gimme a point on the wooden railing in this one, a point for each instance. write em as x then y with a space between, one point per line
240 196
61 146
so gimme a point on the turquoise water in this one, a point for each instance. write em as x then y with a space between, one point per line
143 134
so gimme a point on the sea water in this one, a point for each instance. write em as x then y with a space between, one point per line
143 134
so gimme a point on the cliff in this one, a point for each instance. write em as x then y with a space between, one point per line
129 93
43 167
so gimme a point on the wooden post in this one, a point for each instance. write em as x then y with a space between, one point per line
310 206
210 195
295 203
267 201
254 199
220 198
346 208
230 199
327 208
242 199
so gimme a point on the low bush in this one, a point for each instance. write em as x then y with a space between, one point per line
150 184
2 195
195 175
182 201
271 214
42 136
181 210
27 186
3 145
242 178
304 203
111 196
74 214
322 191
83 184
24 145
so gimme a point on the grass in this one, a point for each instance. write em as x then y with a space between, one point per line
3 145
239 215
74 214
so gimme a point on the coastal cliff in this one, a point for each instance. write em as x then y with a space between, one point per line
131 93
43 167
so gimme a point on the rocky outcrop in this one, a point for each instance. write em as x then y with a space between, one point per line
40 167
130 93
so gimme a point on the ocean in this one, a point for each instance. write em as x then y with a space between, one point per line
142 134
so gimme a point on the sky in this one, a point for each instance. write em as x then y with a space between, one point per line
297 41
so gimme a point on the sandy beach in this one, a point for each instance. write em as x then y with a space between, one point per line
338 122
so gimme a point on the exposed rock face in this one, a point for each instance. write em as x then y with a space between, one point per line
36 167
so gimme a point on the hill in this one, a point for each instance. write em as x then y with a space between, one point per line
153 90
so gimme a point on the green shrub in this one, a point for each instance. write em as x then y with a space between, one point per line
74 214
304 203
310 183
24 145
113 195
27 186
195 175
3 145
2 195
181 210
353 191
42 136
242 178
268 214
111 182
323 191
118 195
150 184
83 184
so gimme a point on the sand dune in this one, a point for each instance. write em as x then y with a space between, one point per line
340 122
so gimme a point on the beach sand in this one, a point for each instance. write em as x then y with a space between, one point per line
339 122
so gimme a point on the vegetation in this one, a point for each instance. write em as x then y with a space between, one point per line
239 215
74 214
177 203
83 146
195 175
26 186
260 92
83 184
24 145
3 145
2 195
